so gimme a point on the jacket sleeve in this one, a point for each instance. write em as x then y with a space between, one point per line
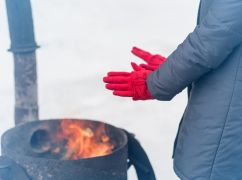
219 33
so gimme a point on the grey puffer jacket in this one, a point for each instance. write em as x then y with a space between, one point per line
209 61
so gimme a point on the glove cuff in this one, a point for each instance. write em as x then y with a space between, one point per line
139 86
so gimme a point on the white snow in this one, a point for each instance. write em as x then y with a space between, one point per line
81 41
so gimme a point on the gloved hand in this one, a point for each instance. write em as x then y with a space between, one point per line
153 61
129 84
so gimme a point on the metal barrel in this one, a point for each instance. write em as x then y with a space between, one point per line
16 144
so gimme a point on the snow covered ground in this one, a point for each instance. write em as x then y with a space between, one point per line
82 40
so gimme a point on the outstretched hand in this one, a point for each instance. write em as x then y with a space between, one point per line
153 61
129 84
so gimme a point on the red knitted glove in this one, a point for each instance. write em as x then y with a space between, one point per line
153 61
129 84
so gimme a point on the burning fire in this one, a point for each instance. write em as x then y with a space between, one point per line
82 140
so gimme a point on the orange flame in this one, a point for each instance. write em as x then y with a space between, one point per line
83 140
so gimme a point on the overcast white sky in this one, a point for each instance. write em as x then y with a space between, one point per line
82 40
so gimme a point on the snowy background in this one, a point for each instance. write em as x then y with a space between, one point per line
82 40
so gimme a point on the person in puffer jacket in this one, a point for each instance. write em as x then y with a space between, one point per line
209 62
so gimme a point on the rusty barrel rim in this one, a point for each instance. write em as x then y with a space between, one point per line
5 135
